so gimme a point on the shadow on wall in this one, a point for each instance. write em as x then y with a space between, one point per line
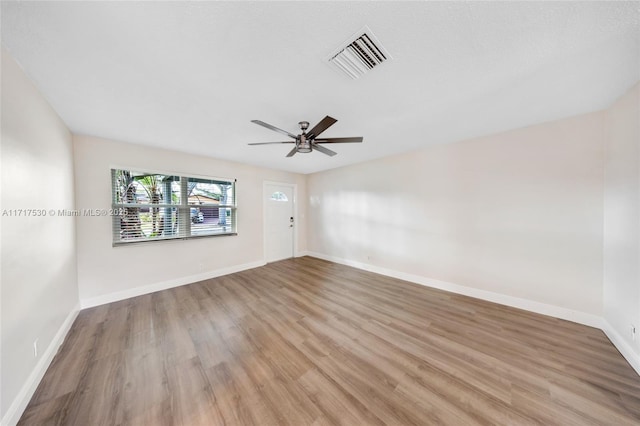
507 246
368 227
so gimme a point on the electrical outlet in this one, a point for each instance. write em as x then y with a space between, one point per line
35 348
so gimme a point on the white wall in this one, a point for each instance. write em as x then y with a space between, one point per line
38 278
108 273
514 217
622 223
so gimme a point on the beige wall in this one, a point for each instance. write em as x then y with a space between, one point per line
622 221
517 214
104 270
39 291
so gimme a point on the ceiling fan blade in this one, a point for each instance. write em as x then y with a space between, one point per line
323 150
338 140
269 143
321 127
275 129
292 152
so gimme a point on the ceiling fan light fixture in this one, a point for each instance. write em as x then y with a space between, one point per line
303 145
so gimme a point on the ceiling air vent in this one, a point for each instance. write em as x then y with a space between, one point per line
359 55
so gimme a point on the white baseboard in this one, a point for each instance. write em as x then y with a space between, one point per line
302 253
19 404
625 349
502 299
151 288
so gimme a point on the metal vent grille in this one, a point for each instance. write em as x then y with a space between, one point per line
359 56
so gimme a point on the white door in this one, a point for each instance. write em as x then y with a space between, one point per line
279 221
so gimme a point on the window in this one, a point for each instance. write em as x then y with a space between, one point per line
156 206
279 196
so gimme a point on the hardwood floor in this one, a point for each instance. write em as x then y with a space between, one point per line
309 342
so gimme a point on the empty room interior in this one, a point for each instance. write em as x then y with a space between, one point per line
320 213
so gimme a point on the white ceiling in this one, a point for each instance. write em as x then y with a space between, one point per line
191 75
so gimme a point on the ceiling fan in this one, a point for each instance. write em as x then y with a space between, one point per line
308 141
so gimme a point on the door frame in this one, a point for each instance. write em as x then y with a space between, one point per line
294 187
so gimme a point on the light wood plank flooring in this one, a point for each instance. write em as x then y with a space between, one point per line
309 342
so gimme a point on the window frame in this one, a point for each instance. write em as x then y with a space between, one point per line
183 208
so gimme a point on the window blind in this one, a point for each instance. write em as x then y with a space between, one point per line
156 206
